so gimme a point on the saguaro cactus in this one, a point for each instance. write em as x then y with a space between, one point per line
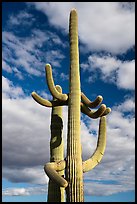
77 102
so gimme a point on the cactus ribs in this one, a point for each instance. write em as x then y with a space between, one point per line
68 173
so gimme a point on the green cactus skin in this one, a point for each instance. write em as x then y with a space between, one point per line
107 111
52 169
51 85
93 114
91 104
56 193
48 103
99 152
55 169
84 108
74 174
77 102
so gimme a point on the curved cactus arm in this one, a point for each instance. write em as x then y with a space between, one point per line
51 85
47 103
99 152
41 100
107 111
91 104
93 114
51 169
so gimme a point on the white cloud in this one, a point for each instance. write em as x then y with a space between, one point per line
108 26
107 64
6 67
24 191
32 175
127 106
25 54
116 172
26 139
17 54
126 75
8 89
15 192
106 189
22 18
113 70
54 56
64 76
24 136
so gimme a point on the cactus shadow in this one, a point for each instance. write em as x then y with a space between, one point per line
56 130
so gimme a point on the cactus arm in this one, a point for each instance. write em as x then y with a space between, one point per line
41 100
51 85
99 152
93 114
51 169
107 111
91 104
47 103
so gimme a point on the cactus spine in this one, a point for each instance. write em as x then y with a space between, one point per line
77 102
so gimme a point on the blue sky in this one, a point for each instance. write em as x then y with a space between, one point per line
36 33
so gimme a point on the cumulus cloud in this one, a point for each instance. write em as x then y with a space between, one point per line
9 90
26 137
18 174
116 172
24 191
103 26
15 192
126 72
113 70
127 106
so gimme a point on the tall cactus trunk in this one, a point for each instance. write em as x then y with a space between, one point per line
55 192
74 174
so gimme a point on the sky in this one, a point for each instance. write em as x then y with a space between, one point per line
36 33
